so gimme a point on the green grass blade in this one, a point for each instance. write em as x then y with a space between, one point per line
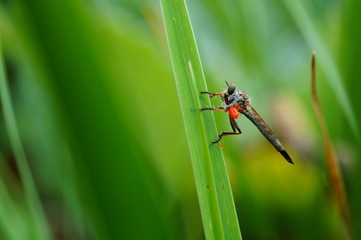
40 227
119 188
213 187
299 11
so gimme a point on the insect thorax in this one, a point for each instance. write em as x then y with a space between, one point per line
239 97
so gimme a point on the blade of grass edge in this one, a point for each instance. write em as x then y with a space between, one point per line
214 191
39 224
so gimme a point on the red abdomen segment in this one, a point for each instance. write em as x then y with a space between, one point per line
233 112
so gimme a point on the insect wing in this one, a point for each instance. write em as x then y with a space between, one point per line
256 119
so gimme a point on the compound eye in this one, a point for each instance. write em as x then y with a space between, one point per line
231 89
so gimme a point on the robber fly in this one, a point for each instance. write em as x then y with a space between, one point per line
238 101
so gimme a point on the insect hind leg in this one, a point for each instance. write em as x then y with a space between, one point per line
225 134
234 125
235 128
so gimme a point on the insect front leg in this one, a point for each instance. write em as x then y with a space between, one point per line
211 95
236 130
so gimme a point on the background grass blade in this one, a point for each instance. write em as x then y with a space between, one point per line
333 168
213 187
302 17
40 229
114 171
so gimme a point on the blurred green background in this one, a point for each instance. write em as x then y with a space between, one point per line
98 114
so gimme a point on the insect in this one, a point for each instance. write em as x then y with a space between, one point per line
238 101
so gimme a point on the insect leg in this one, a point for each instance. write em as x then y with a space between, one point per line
231 122
220 109
235 128
211 95
234 124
